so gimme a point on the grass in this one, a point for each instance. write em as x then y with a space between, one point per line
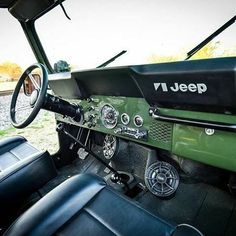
41 133
3 132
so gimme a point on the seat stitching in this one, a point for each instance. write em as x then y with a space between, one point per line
12 173
16 142
11 164
15 155
80 210
35 151
98 219
140 207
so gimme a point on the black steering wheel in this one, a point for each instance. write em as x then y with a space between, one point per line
35 100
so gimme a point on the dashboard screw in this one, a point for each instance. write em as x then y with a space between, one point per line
209 131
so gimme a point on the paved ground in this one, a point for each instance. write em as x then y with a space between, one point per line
41 132
5 102
4 112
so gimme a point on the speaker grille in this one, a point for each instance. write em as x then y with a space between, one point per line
160 131
162 179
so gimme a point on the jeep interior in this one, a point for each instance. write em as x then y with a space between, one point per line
144 149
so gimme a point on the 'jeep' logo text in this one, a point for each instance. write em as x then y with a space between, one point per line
198 88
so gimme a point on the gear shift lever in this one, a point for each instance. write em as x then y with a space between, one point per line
115 178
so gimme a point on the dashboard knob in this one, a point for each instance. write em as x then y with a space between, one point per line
91 108
91 116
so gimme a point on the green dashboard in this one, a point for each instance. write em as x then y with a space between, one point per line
129 118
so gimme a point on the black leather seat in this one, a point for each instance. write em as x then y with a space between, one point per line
23 169
84 205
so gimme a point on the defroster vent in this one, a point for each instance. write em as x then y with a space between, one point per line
160 131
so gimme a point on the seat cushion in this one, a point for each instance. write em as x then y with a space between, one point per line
85 205
13 150
23 169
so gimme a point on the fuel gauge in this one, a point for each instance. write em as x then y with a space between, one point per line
125 118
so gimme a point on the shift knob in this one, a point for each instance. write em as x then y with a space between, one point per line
115 178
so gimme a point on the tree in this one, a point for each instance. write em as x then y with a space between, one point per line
208 51
9 70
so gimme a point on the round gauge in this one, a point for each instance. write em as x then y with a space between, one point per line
109 116
138 121
125 119
109 146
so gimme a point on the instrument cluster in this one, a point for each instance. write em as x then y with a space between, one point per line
110 117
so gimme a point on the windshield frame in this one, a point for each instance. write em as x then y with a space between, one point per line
38 49
35 44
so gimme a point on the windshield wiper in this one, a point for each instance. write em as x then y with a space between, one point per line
112 59
209 38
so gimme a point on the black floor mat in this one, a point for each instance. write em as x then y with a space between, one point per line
209 209
90 165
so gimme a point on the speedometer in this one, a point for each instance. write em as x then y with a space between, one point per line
109 116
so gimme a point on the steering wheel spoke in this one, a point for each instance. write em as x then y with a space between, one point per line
34 82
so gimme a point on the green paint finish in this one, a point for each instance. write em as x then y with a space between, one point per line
157 135
225 118
217 150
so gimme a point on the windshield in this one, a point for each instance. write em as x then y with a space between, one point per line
151 31
14 48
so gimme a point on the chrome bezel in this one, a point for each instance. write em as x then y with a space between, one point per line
114 146
135 122
121 118
106 125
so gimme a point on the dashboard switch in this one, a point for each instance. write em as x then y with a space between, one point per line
91 116
132 132
90 125
91 108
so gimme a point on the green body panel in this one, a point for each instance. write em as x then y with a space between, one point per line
225 118
193 143
186 141
217 150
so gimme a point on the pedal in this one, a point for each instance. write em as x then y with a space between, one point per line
82 154
106 170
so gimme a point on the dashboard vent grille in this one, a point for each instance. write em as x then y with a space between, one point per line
160 131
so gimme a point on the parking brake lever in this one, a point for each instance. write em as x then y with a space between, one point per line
115 178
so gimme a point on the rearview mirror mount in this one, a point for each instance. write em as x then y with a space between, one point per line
28 84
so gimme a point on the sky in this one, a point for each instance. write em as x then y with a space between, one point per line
101 29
